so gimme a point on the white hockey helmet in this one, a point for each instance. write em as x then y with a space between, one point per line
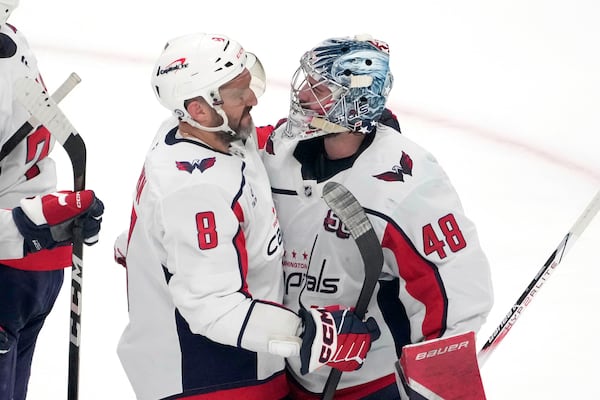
356 72
7 7
199 64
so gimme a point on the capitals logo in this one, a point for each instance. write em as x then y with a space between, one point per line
202 165
398 171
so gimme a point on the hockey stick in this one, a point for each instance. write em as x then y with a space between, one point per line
542 276
32 122
47 112
351 213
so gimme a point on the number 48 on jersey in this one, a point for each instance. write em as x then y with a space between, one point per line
447 233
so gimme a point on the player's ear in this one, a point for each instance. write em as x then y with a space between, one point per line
199 110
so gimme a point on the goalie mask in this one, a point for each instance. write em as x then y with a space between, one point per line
341 85
6 8
197 65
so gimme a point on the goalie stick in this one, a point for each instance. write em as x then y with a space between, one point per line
352 214
21 133
45 110
541 277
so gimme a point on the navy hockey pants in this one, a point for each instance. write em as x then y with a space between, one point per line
26 298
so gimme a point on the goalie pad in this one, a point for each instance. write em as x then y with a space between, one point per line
440 369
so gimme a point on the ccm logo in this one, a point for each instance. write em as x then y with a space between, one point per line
442 350
328 337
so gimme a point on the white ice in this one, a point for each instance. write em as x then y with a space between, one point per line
505 93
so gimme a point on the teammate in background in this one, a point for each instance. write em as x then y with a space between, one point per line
436 278
203 252
35 235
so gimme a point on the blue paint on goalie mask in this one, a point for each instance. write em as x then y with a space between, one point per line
357 73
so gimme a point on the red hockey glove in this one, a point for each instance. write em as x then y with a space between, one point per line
47 221
335 337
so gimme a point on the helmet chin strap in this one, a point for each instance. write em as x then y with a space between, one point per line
326 126
224 127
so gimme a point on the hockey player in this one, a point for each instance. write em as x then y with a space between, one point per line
204 248
35 236
436 278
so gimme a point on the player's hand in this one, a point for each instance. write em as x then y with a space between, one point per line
47 221
120 249
335 337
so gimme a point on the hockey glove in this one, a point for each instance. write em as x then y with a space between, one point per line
47 221
335 337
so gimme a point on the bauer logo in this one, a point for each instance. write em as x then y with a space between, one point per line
442 350
176 65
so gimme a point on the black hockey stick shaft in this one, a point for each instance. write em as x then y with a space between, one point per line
31 123
45 110
540 278
75 148
352 214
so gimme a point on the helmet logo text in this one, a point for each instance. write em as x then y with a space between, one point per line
176 65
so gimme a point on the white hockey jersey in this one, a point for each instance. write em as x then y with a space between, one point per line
436 278
27 170
204 275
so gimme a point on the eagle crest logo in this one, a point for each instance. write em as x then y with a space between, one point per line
396 174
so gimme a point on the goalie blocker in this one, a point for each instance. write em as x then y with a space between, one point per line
444 368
